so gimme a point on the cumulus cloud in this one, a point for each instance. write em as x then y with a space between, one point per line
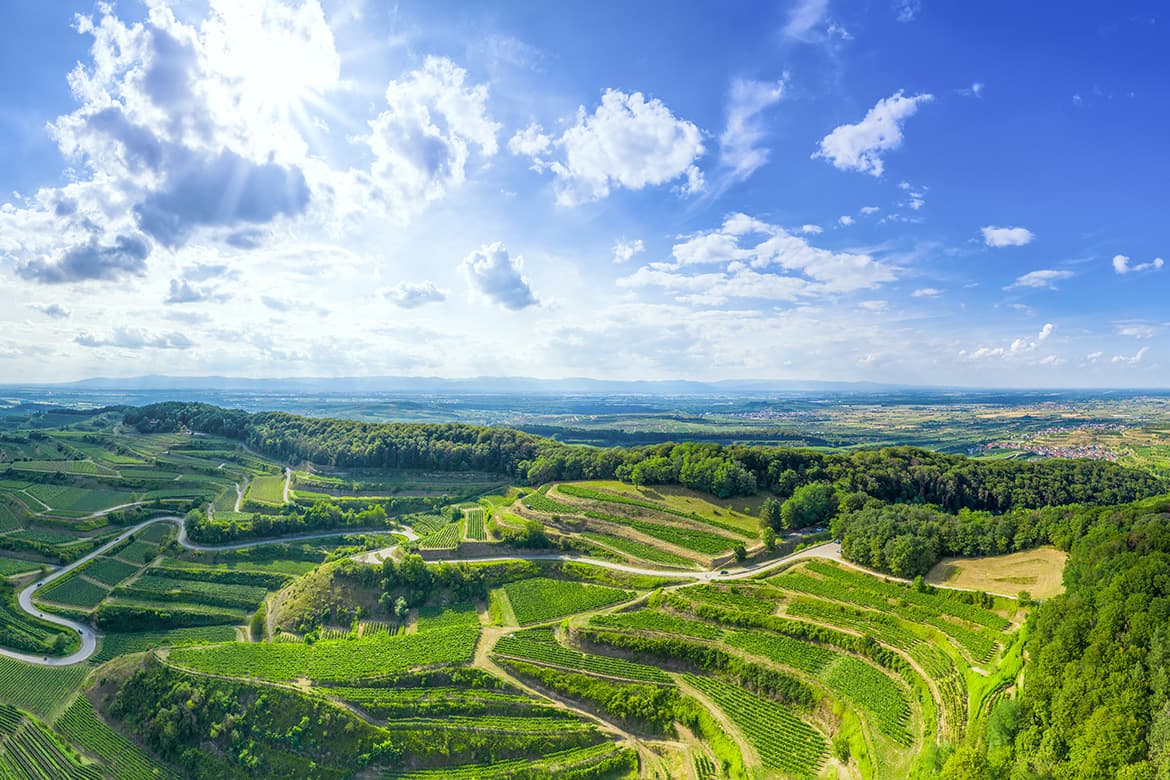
183 291
1007 236
1019 349
1131 360
178 127
1121 265
94 260
530 142
1045 278
627 142
926 292
758 260
859 147
740 149
411 295
54 310
226 190
493 274
422 141
623 251
868 210
135 338
810 230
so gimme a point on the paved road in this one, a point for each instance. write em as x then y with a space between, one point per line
89 636
86 633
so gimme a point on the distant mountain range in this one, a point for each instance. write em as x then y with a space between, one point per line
475 385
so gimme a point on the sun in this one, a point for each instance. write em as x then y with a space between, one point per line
280 59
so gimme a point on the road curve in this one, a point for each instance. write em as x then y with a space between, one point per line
88 636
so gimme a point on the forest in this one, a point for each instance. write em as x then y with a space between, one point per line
892 474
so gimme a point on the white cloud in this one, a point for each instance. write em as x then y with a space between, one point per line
805 16
411 295
1007 236
1136 330
1044 278
623 251
1121 265
907 10
868 210
759 260
628 141
422 141
135 338
858 147
182 291
530 142
1131 360
739 144
845 220
926 292
53 310
496 276
810 230
1018 350
695 182
915 195
180 129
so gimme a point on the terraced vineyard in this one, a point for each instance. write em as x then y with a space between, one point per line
604 759
445 538
609 518
540 646
386 671
782 740
116 644
74 591
540 599
637 551
27 750
267 489
474 518
333 661
40 690
125 760
431 618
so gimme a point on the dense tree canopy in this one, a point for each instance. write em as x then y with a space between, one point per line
1096 698
891 475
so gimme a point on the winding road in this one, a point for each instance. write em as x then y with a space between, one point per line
89 636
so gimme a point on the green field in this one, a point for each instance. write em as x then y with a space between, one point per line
541 599
336 661
266 490
809 669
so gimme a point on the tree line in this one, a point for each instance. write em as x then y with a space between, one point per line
1096 694
891 475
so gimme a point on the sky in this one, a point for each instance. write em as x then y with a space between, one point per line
904 191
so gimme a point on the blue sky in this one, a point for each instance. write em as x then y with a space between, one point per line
913 192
